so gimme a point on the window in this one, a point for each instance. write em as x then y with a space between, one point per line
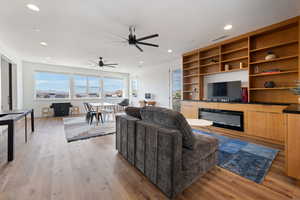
134 88
113 87
52 85
94 89
80 86
86 87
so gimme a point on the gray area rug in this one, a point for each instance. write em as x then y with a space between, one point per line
76 128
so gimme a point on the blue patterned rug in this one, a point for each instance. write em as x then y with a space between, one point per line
246 159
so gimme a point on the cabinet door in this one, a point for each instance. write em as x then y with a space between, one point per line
276 129
266 125
257 123
189 110
293 145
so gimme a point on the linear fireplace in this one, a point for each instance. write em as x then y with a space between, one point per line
233 120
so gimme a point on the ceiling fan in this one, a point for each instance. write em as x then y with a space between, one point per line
101 64
132 40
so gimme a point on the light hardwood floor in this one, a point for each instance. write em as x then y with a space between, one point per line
50 168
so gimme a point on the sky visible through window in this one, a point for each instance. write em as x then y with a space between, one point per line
52 85
52 82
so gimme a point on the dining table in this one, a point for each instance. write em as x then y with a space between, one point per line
102 106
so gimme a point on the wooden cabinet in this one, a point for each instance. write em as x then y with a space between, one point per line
265 122
266 125
293 145
189 110
257 123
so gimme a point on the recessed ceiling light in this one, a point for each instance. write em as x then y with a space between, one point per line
228 27
170 50
43 44
48 58
33 7
141 62
37 30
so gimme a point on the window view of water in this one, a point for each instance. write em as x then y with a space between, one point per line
54 85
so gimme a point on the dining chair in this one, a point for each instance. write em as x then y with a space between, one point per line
108 111
91 113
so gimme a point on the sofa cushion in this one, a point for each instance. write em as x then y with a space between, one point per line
169 119
133 112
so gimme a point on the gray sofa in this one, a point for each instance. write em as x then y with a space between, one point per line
160 143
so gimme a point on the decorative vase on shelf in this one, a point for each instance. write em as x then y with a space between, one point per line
227 66
270 56
269 84
245 95
241 65
256 69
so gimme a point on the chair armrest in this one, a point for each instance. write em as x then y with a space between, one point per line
204 146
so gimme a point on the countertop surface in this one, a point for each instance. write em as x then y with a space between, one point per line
292 109
259 103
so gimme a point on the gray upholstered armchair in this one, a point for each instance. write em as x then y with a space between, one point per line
160 143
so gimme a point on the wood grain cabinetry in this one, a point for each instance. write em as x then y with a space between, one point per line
266 125
265 122
293 145
248 52
189 110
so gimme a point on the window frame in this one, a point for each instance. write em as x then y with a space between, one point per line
123 90
51 99
72 86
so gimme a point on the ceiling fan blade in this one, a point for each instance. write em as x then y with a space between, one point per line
147 37
111 64
148 44
137 46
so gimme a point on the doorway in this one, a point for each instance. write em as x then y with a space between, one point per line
7 84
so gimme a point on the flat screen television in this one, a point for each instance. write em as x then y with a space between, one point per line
231 91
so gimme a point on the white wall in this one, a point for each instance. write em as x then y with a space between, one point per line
223 77
154 80
29 84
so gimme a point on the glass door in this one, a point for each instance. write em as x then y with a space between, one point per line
176 87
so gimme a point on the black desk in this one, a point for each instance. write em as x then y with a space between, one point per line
9 118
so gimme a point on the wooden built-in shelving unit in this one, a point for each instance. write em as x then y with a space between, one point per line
248 52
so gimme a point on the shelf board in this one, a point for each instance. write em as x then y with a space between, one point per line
234 50
235 70
272 74
274 60
191 75
207 57
232 70
235 59
190 68
191 61
275 45
210 73
190 83
210 64
276 88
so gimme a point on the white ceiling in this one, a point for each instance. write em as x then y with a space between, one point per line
81 30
